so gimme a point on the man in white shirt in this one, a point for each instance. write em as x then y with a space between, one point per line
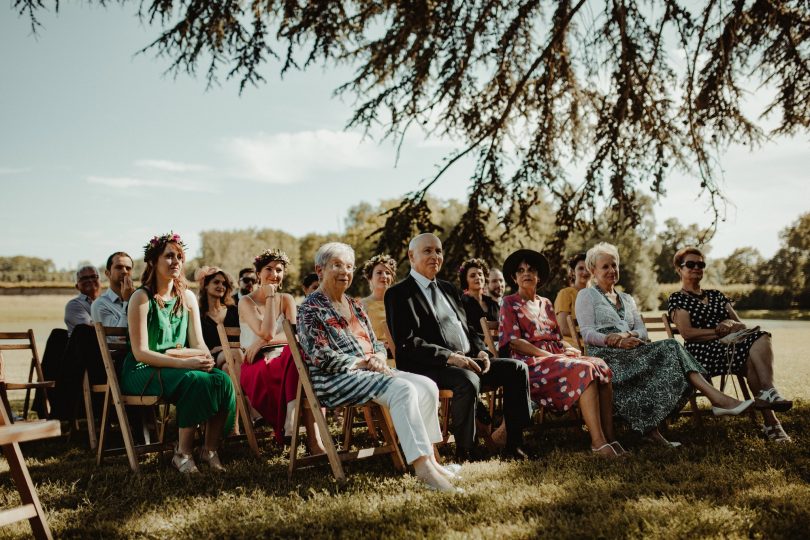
77 310
110 309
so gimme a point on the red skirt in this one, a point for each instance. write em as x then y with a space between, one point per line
269 385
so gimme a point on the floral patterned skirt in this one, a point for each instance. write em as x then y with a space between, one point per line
650 382
556 382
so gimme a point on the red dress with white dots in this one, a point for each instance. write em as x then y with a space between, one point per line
556 381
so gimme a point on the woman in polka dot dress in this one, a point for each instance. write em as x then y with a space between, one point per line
703 316
559 376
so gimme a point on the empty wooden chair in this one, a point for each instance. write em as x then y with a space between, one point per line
34 367
11 435
118 401
306 398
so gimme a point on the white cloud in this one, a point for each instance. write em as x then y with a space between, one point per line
286 158
126 182
170 166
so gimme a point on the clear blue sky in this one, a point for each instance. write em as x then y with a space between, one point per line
99 150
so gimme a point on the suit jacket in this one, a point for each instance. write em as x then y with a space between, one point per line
420 346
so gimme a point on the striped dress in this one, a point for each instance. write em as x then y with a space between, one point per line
330 349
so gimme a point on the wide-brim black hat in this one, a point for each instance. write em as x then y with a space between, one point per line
535 259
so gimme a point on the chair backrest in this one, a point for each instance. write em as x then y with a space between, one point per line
300 365
106 345
669 325
490 330
655 325
573 331
232 335
30 344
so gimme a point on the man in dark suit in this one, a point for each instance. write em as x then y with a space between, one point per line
433 338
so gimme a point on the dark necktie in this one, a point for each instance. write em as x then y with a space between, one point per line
447 321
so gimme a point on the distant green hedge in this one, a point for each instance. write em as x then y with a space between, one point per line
743 296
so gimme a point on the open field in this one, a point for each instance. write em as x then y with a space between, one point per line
724 482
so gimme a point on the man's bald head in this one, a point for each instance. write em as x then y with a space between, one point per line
426 255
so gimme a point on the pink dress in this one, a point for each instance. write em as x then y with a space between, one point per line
269 384
557 381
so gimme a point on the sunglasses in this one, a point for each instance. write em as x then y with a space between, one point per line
247 280
691 265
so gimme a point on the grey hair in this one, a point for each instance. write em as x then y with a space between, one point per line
83 268
415 240
602 248
329 250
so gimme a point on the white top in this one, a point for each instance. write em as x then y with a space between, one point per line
595 314
246 334
424 286
109 309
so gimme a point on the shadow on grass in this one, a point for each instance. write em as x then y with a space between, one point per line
724 481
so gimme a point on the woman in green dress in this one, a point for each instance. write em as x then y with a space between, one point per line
163 314
650 380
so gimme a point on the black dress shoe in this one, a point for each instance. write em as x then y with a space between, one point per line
514 453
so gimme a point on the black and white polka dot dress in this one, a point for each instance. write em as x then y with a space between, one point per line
712 355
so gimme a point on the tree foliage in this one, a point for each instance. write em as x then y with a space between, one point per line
626 89
673 237
742 265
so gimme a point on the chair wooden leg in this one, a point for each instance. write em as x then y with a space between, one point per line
88 412
348 424
247 423
695 410
27 402
444 406
390 437
105 425
298 410
328 442
369 417
28 493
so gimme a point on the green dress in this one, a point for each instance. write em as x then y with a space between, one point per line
198 395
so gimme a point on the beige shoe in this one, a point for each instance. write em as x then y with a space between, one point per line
184 462
212 459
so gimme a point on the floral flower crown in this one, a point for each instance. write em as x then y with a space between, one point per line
158 241
383 258
272 255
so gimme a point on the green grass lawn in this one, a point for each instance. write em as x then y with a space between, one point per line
724 482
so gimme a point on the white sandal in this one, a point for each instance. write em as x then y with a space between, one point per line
211 457
184 462
770 399
776 433
598 451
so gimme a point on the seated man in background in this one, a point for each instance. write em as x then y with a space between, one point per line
77 310
432 337
495 285
310 284
110 309
247 279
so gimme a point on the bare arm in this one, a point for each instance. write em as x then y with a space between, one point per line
139 339
263 328
689 332
522 346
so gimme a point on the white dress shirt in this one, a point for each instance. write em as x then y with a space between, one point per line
109 309
424 286
77 311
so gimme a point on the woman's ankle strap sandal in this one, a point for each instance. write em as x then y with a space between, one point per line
211 457
184 463
775 433
598 451
770 399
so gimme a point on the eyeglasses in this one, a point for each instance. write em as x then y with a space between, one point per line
691 265
88 278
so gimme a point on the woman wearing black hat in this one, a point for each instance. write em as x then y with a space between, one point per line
559 376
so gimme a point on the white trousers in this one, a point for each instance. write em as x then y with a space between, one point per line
413 401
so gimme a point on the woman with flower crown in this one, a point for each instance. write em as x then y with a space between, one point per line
164 317
268 376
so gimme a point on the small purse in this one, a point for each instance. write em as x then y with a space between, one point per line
736 337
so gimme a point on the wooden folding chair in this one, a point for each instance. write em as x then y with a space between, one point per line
672 331
305 397
113 397
35 366
11 435
445 396
490 331
229 338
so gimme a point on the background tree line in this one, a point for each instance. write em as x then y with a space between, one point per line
646 255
